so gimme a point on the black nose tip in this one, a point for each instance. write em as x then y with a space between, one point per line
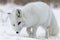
17 32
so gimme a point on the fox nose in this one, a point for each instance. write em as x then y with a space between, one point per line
17 32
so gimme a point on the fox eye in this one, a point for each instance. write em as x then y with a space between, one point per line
13 24
19 23
9 13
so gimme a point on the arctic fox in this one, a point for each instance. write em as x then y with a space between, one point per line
36 14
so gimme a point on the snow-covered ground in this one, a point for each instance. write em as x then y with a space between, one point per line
7 32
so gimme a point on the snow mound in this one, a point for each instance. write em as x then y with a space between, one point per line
15 38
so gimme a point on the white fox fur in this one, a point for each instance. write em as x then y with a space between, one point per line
36 14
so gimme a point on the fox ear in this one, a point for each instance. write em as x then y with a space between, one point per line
19 12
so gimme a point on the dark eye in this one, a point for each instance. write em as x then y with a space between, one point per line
9 13
13 24
19 23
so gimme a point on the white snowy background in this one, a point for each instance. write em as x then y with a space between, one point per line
6 29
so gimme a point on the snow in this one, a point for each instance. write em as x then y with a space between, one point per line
8 33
